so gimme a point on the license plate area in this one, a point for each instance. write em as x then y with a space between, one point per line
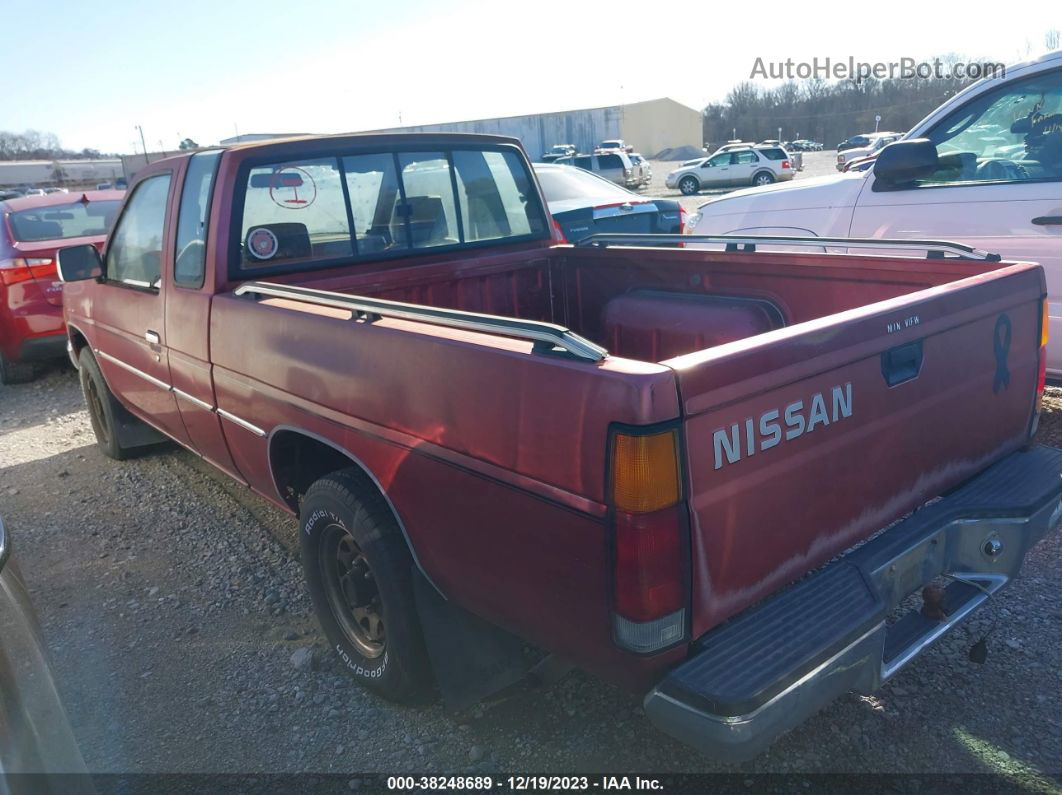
917 623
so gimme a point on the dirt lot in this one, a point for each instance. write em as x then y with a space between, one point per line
816 164
173 603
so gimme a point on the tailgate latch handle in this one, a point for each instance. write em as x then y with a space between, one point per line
902 363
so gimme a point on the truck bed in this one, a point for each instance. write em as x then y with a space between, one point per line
886 365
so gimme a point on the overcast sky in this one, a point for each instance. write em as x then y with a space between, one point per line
89 72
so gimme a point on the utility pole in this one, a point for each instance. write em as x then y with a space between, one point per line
140 129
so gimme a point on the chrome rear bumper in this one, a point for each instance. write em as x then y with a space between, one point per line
770 668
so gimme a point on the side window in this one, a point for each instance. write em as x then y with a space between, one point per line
428 211
294 212
494 193
135 253
745 157
372 184
773 154
1011 134
719 160
190 255
584 162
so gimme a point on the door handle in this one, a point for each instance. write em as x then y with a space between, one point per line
1048 220
152 337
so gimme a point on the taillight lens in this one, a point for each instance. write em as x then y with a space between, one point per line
13 271
785 164
649 541
648 568
644 471
558 233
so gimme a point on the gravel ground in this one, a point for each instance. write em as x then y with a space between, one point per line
182 640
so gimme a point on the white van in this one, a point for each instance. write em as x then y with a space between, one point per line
988 174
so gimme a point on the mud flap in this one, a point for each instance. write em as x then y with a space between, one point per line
133 432
472 659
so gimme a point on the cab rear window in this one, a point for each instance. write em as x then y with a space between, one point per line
63 221
315 211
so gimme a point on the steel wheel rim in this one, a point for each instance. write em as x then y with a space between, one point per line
351 591
688 187
763 179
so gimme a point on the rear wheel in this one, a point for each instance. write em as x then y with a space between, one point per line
689 186
15 372
359 573
763 178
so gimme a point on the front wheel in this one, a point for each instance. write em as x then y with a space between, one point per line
103 408
359 573
763 178
689 186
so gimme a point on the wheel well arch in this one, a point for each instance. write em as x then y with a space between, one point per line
77 339
694 177
298 457
764 170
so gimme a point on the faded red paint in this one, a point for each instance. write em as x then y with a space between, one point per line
495 458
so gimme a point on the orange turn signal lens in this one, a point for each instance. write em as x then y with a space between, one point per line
645 472
1043 325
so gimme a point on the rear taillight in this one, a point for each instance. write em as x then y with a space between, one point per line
558 233
14 271
649 590
1041 376
785 164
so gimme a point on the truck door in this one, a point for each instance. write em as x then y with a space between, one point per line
188 296
128 310
998 187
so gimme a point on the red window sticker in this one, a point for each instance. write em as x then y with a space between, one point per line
292 188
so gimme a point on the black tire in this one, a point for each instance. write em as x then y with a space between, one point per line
360 576
689 186
15 372
762 178
102 406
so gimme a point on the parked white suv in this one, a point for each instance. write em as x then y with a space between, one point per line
988 174
878 141
746 166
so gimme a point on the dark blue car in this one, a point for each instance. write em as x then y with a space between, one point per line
584 204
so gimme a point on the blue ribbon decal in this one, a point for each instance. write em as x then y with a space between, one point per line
1001 346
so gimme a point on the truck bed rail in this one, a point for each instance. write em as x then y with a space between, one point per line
935 249
546 336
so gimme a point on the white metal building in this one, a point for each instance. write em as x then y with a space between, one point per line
45 173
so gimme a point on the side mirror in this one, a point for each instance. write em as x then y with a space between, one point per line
77 263
903 162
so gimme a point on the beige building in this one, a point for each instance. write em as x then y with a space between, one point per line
650 127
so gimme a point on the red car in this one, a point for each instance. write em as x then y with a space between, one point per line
32 228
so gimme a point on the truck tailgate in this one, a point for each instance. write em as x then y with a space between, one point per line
807 440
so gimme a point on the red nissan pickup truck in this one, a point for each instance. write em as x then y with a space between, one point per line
708 475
